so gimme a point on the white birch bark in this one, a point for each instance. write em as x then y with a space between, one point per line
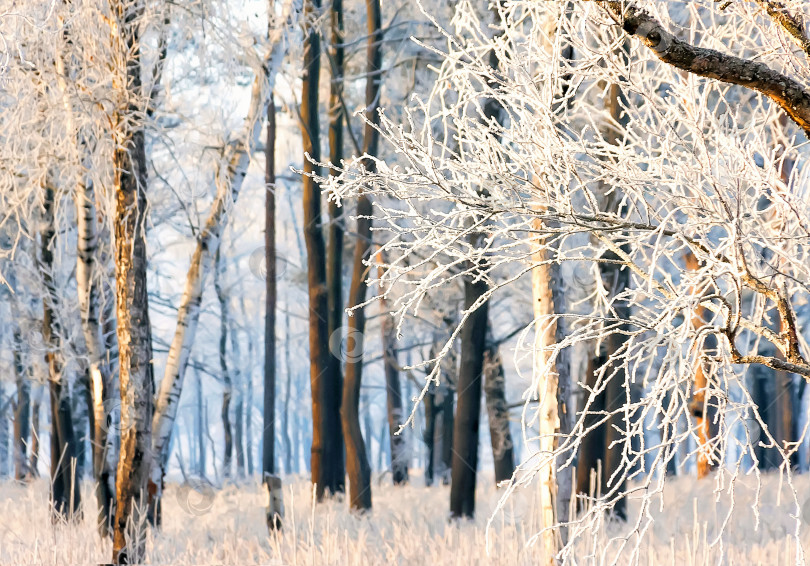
229 179
546 380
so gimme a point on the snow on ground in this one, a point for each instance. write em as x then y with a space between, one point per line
408 526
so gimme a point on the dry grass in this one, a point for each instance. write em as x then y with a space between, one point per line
408 526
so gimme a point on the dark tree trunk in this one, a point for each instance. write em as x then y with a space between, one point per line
227 388
22 412
429 433
592 447
334 257
136 375
326 446
200 427
498 413
468 410
65 495
447 429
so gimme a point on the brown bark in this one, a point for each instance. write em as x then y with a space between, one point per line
132 306
323 430
789 94
699 406
357 465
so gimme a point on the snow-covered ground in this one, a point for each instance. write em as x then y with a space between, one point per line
409 526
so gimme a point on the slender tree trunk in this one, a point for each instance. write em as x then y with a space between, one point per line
65 495
357 464
200 426
285 415
22 412
323 434
334 259
79 407
498 412
35 406
399 457
429 433
227 388
447 431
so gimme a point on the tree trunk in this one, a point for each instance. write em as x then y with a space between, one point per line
498 412
357 464
285 415
333 380
399 456
227 388
22 412
80 405
275 508
429 433
65 495
324 435
468 409
447 429
35 406
132 306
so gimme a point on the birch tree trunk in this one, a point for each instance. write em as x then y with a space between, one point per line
65 496
229 178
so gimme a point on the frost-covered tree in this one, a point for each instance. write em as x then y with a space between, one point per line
690 159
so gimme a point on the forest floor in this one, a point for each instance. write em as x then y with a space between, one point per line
409 526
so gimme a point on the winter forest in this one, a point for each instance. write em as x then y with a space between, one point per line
448 282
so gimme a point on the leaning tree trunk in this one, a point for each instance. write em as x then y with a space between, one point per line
132 306
65 495
399 456
229 178
227 388
357 464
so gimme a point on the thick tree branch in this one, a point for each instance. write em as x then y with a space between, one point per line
789 94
